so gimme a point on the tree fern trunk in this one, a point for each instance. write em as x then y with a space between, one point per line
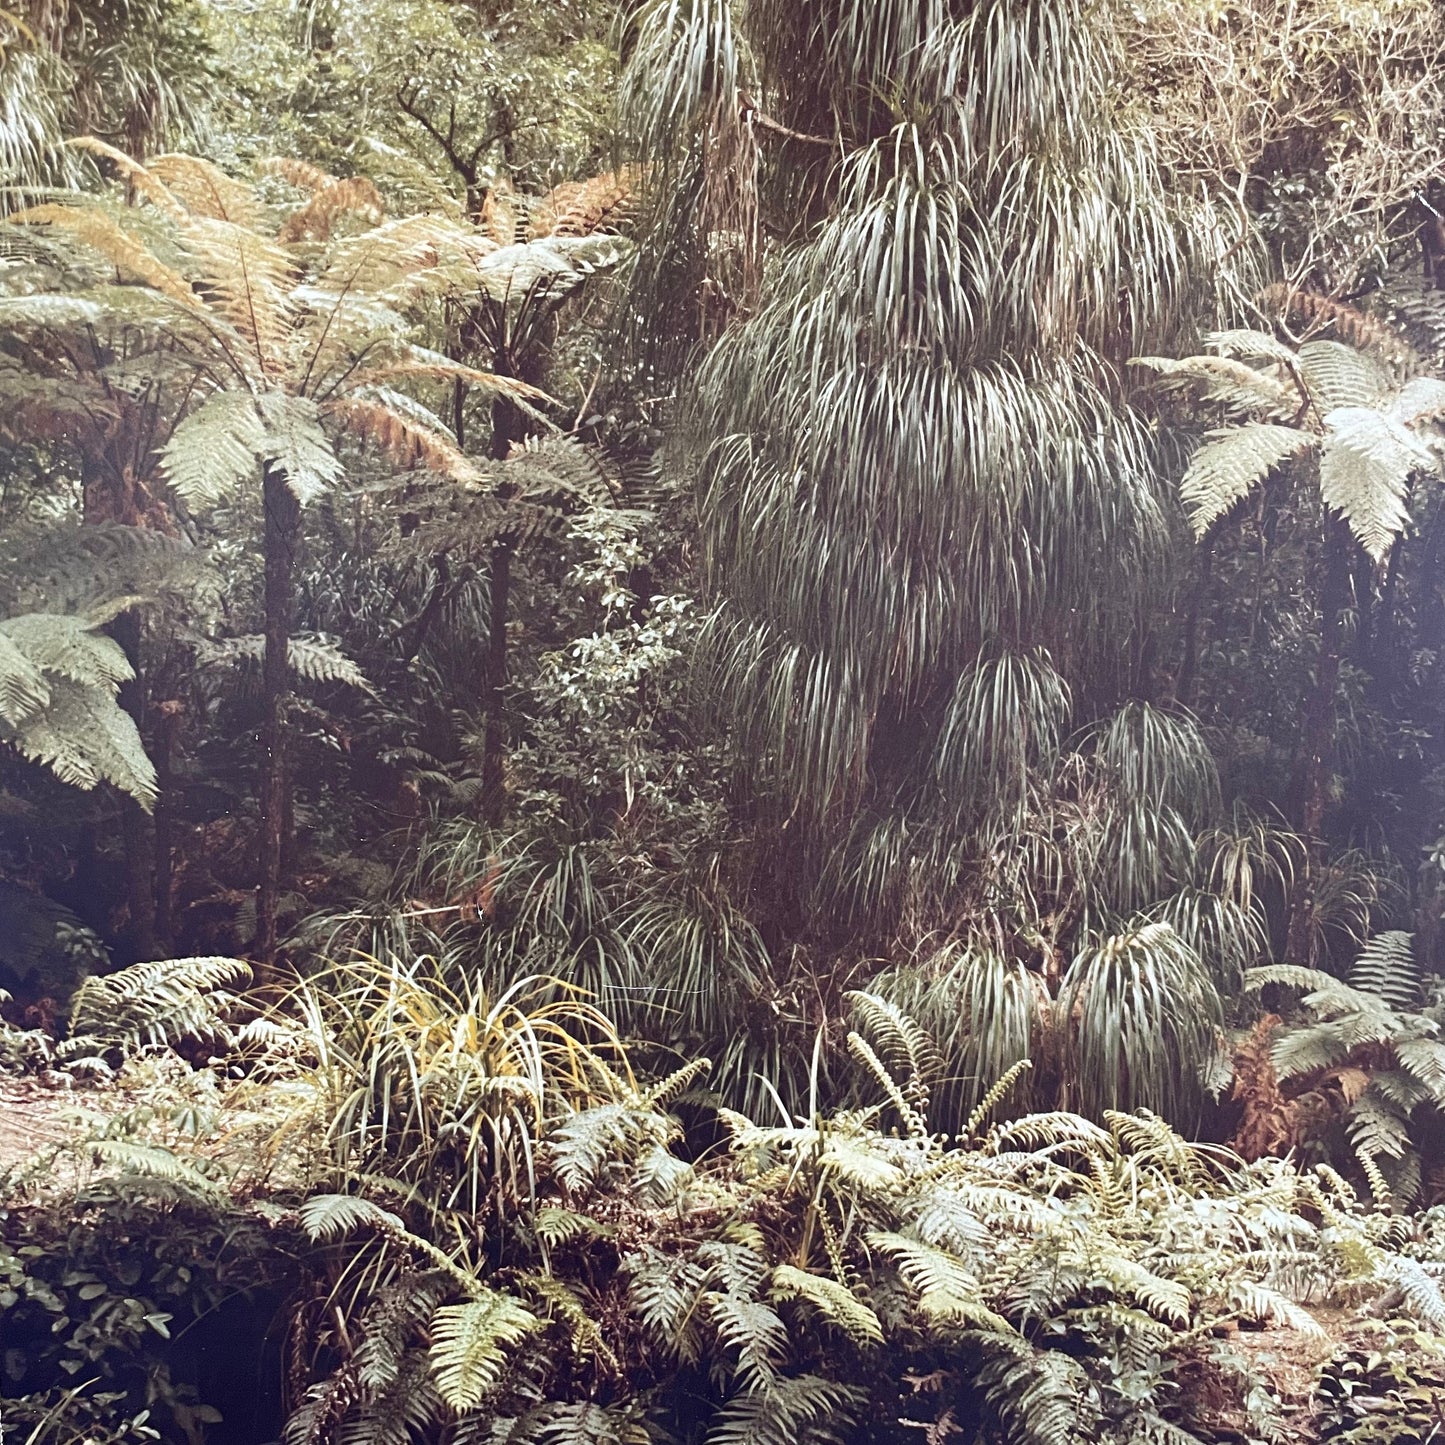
1314 763
282 527
494 793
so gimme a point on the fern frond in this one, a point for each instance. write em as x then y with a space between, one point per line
1229 464
581 208
1267 1306
1248 345
801 1410
995 1096
835 1302
355 195
205 189
93 228
661 1094
755 1334
141 178
471 1345
160 1002
312 656
1419 401
1227 381
392 425
1386 967
153 1161
23 689
249 278
1366 464
295 444
215 448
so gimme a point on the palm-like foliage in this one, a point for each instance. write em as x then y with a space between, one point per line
914 462
447 1087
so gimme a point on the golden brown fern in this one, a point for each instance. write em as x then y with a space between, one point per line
299 173
1347 323
94 228
404 441
356 195
250 278
147 184
205 189
581 208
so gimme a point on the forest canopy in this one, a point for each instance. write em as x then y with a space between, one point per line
722 722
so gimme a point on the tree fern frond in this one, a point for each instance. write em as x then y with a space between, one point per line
1232 383
295 443
95 229
1338 376
250 279
1365 468
354 195
1250 345
312 656
162 1002
1420 401
1229 464
205 189
215 448
1387 967
581 208
392 424
23 689
144 181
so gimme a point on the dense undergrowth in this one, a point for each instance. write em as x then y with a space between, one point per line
427 1209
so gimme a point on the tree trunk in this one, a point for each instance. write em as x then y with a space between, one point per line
135 822
507 426
167 728
494 793
1317 742
282 529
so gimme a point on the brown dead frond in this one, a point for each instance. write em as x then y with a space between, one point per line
356 195
1318 314
403 439
582 208
1268 1124
297 173
147 184
131 259
205 189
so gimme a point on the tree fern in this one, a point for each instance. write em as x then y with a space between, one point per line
1366 464
1230 464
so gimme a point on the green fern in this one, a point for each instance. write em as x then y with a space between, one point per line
472 1344
1230 464
836 1303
